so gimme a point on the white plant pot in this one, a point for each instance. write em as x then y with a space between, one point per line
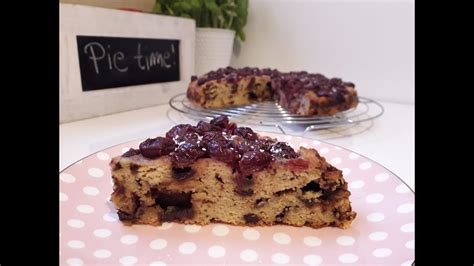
213 49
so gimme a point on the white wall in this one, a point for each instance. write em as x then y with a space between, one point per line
370 43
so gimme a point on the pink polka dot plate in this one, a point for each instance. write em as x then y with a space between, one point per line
382 233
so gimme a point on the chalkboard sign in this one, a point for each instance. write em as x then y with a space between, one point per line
110 62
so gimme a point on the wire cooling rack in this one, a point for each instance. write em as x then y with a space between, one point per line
272 114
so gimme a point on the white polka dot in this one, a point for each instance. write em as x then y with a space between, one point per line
408 228
95 172
128 260
381 177
192 228
288 138
346 171
157 263
324 150
382 252
336 160
280 258
345 240
312 260
76 244
374 198
402 188
102 233
91 191
378 236
356 184
187 248
375 217
67 178
365 165
348 258
410 244
312 241
251 234
110 217
158 244
407 263
63 197
406 208
220 230
317 143
76 223
102 253
354 156
282 238
248 255
103 156
84 208
74 262
216 252
165 226
129 239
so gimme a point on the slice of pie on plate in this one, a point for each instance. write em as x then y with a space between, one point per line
218 172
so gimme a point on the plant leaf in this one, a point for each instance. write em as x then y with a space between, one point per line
228 14
241 35
157 8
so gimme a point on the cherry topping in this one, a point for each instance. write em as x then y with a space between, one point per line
153 148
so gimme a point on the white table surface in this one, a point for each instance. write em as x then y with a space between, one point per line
389 140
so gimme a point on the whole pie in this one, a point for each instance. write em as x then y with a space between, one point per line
300 93
219 172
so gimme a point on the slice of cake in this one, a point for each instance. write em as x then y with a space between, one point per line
218 172
300 93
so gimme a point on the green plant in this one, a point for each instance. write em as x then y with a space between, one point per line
223 14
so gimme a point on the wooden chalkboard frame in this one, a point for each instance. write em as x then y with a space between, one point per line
77 20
